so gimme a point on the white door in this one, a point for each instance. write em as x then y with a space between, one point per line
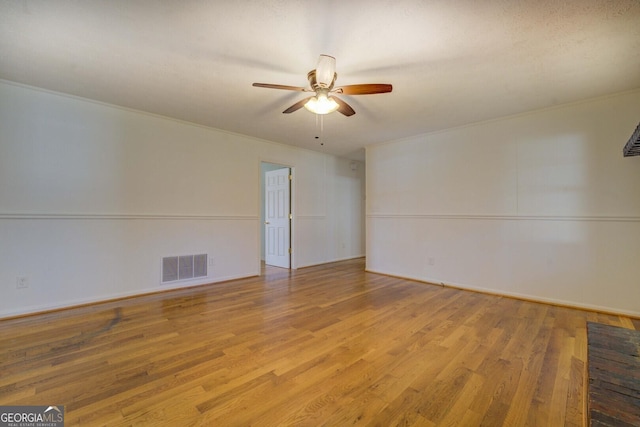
276 218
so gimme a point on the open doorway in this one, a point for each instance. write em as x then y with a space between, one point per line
276 217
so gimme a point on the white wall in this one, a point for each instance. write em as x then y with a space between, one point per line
541 205
93 196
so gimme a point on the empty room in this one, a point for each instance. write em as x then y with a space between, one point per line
320 213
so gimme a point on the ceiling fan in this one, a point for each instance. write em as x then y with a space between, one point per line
321 81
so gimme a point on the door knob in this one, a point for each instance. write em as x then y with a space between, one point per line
267 223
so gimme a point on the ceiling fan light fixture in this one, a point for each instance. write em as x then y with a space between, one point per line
321 104
321 81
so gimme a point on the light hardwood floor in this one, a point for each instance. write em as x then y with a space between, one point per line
327 345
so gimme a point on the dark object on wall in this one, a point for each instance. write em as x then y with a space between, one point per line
632 147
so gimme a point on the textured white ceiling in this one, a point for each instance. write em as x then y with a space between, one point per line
451 62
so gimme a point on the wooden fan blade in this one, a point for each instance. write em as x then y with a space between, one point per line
364 89
298 105
283 87
343 107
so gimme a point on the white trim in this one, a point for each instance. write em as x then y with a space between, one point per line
598 218
66 216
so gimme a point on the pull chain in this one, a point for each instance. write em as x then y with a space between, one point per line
320 123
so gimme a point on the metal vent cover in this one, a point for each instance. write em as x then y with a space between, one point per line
184 267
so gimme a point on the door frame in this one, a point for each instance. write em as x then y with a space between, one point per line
261 228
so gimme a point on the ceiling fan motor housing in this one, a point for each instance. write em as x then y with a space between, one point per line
316 86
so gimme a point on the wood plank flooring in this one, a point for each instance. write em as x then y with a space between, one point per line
613 359
328 345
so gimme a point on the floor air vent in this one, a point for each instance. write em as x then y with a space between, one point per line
184 267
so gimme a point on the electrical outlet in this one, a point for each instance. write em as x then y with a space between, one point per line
212 261
432 261
22 282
